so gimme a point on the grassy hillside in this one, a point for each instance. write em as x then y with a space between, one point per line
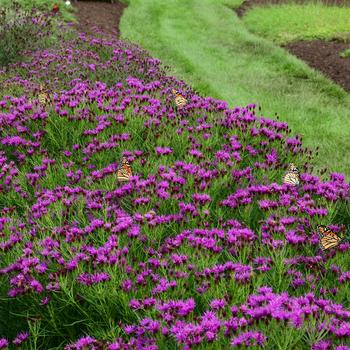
202 247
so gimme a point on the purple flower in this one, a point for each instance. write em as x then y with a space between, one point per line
218 304
84 342
3 343
127 285
322 345
163 150
135 304
150 325
249 338
21 337
89 279
92 67
201 198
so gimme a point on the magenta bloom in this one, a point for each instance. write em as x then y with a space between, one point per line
3 343
89 279
163 150
322 345
84 343
21 337
167 219
217 304
249 338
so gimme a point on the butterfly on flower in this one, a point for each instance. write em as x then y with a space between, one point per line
291 177
124 172
44 98
328 238
180 100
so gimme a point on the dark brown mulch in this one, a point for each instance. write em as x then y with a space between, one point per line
247 4
104 15
324 56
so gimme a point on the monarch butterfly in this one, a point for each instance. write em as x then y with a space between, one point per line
124 173
180 101
291 177
43 97
328 239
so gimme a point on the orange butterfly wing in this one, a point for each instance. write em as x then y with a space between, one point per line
124 173
180 100
328 239
291 177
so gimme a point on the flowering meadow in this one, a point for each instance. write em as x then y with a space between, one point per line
204 247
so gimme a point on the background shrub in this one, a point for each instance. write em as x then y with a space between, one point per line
29 25
21 30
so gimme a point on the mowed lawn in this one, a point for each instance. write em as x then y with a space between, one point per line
289 22
206 44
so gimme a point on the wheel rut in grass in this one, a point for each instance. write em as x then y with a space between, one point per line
104 15
321 55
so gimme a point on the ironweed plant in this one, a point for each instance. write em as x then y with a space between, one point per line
204 247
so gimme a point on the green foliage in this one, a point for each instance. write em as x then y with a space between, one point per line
77 310
345 53
290 22
19 32
67 12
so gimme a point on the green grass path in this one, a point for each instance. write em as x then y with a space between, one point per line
209 47
289 22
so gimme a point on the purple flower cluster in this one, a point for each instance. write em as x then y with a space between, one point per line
20 338
203 245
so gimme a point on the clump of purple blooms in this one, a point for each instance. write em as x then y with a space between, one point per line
203 248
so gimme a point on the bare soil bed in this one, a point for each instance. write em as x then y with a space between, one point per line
104 15
324 56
